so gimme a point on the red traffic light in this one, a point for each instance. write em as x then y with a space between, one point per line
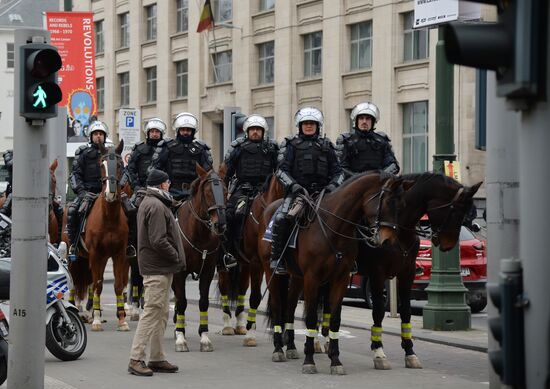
42 63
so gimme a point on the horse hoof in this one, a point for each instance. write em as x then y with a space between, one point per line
381 364
182 348
309 369
240 330
317 347
134 317
97 327
123 327
278 356
292 354
337 370
206 348
412 362
249 342
228 331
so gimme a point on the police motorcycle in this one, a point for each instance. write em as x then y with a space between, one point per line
66 336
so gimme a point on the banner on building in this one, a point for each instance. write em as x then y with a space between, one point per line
73 35
434 12
452 169
129 120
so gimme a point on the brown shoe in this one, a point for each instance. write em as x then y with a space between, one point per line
162 367
139 368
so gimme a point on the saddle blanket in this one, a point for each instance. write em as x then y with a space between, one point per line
268 235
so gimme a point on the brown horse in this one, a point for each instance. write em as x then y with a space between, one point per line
446 202
202 223
105 236
250 269
325 251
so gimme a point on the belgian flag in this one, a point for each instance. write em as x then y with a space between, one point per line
206 21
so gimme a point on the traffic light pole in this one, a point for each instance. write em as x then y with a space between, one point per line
446 309
29 237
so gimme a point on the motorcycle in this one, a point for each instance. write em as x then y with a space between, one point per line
66 336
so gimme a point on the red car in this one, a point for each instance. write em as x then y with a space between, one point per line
473 267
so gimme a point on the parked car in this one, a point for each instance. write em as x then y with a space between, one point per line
473 268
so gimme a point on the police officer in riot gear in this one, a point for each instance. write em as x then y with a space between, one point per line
249 161
8 165
364 149
307 164
178 157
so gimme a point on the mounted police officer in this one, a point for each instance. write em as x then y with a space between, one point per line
8 165
178 157
307 164
364 149
249 161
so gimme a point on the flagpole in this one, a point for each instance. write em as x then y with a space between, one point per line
206 38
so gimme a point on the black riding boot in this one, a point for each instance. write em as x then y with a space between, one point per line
131 214
227 260
73 222
6 208
279 236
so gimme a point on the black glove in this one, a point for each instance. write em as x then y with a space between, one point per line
295 188
330 188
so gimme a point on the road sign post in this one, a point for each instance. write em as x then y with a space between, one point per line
129 120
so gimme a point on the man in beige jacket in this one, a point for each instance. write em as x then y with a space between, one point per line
160 255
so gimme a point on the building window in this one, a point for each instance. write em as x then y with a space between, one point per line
222 10
416 42
267 4
361 45
181 78
99 43
124 22
313 47
271 126
151 21
182 15
415 137
266 59
100 93
151 75
223 66
10 55
124 80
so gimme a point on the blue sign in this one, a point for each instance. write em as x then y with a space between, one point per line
130 121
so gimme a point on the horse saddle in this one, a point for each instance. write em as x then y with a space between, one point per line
268 234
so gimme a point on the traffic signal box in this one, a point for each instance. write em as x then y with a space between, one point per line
237 121
40 93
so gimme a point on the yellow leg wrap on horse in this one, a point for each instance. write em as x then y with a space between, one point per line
406 330
240 300
97 305
277 329
376 334
72 294
90 292
180 321
225 301
252 315
119 301
203 318
289 326
326 319
135 291
334 335
311 333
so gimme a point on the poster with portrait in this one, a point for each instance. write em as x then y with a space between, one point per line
73 35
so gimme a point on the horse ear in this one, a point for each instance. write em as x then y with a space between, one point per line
222 170
102 148
53 166
120 147
200 171
471 191
408 184
395 182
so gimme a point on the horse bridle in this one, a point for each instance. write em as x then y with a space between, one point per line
451 206
219 203
111 166
373 230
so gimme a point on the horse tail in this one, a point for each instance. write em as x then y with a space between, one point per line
234 277
81 275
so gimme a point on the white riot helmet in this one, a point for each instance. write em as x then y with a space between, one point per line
365 109
97 126
309 114
255 120
157 124
187 120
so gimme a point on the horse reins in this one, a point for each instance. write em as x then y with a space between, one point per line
451 206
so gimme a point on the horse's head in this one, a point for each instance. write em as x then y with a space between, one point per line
211 193
111 170
447 214
53 180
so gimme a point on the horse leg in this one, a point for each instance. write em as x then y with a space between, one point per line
256 275
334 296
294 291
178 286
96 315
277 289
311 290
137 289
204 288
404 290
223 285
378 310
240 313
325 323
120 269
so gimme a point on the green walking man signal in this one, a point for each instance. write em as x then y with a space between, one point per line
40 97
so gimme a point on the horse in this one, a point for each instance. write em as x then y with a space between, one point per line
105 236
250 269
202 223
325 252
446 202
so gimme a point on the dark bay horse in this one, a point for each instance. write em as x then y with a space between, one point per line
325 251
250 268
446 202
54 221
105 236
202 222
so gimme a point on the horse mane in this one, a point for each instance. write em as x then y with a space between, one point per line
383 177
195 186
427 176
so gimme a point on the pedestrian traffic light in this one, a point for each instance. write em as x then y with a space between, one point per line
237 121
515 47
507 328
39 94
